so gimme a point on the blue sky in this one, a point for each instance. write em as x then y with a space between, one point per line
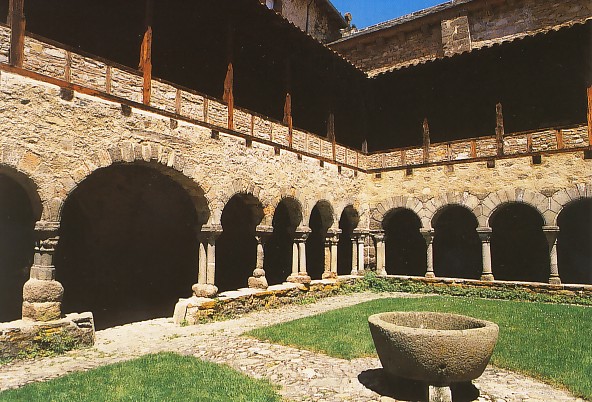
370 12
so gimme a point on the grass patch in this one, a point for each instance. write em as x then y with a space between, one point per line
546 341
159 377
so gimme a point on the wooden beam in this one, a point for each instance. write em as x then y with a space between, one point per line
288 116
499 129
590 116
145 65
17 22
331 133
426 141
228 96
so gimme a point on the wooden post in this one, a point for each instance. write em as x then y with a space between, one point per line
499 129
145 65
331 133
288 116
228 96
426 141
17 22
590 116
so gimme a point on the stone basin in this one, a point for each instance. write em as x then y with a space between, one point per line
438 349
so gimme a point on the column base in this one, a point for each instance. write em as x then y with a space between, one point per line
204 290
487 278
258 283
554 280
300 278
329 275
439 394
46 311
430 275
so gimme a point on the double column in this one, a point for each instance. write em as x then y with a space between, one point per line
258 280
207 237
357 239
42 294
331 242
299 274
379 244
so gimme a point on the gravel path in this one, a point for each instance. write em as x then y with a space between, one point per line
303 375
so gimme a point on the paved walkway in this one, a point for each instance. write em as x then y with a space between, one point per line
303 375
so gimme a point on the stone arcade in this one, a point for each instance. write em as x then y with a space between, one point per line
243 153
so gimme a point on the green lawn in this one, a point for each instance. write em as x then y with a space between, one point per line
160 377
547 341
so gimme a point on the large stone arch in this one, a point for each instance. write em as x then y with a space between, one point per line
297 208
379 211
436 205
494 201
155 156
565 196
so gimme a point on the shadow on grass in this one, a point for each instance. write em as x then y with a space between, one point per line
403 389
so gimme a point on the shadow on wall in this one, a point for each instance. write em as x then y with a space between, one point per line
16 246
128 247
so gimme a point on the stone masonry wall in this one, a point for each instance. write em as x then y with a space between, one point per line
475 24
58 143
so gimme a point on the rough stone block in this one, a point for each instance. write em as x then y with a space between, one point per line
39 291
42 311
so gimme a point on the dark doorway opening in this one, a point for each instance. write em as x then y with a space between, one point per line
236 248
128 246
279 247
574 243
347 223
321 219
457 247
519 250
405 246
16 246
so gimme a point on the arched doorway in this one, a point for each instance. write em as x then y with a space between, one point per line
347 223
321 219
279 247
236 248
574 242
519 249
128 246
457 247
405 252
17 222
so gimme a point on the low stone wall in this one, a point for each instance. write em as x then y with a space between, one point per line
196 309
31 339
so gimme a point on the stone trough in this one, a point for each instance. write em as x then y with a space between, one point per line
437 349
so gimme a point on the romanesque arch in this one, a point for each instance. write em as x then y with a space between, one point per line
20 208
574 243
236 248
321 219
457 248
379 211
287 217
437 204
405 252
348 222
519 249
128 245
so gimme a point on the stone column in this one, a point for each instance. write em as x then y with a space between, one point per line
299 274
380 253
485 236
428 236
207 262
551 233
331 254
258 280
354 262
361 241
42 294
